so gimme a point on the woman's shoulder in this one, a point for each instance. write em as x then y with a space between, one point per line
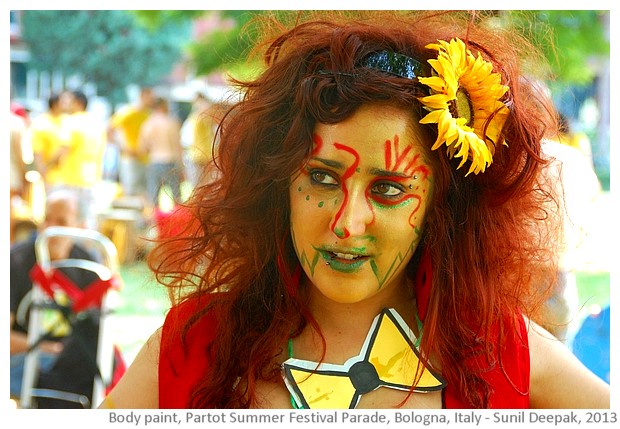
556 374
138 386
171 361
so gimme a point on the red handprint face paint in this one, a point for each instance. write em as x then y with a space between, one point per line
359 202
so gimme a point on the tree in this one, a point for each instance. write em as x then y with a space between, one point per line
223 47
108 48
570 40
573 41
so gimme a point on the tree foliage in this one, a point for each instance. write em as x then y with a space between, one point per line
115 48
224 47
573 41
108 48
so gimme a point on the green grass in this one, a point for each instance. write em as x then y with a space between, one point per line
593 289
141 294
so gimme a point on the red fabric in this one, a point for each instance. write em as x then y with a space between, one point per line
93 295
509 378
120 366
90 297
180 370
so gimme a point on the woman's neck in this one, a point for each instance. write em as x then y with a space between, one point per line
344 326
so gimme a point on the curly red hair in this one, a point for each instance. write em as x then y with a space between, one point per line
487 234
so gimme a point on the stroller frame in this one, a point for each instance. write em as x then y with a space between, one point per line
107 269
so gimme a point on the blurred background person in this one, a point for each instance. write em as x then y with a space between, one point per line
194 135
200 130
20 157
62 209
571 176
81 159
49 139
124 128
17 156
160 141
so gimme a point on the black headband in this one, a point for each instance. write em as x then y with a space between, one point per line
393 63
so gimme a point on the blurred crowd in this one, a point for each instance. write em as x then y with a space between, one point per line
60 177
157 158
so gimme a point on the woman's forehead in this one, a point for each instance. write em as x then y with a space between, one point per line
374 130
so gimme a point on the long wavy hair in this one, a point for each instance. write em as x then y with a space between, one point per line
487 235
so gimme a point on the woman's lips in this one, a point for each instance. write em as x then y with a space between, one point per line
346 262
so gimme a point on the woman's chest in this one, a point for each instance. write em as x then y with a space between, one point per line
276 395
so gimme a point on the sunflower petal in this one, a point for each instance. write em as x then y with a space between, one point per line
435 83
432 117
436 101
476 138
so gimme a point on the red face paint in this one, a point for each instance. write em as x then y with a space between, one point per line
348 173
358 208
394 158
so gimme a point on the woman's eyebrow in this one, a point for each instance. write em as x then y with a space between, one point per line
329 162
382 172
374 171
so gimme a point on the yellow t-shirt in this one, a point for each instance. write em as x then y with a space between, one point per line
201 147
47 135
129 120
83 165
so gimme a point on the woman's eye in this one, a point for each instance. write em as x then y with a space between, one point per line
387 189
322 178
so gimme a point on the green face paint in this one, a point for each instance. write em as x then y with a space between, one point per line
371 167
340 233
305 261
379 205
394 266
310 263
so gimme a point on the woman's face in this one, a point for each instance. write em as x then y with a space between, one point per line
358 205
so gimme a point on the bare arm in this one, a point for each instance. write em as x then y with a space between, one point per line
139 386
558 378
19 341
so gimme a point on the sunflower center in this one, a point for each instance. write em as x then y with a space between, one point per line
461 107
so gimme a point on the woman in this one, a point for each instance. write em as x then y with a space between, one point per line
378 235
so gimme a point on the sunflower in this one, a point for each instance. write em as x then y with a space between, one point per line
465 103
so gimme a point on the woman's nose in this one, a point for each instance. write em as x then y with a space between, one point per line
354 215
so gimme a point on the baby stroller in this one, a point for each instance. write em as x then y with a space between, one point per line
91 363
